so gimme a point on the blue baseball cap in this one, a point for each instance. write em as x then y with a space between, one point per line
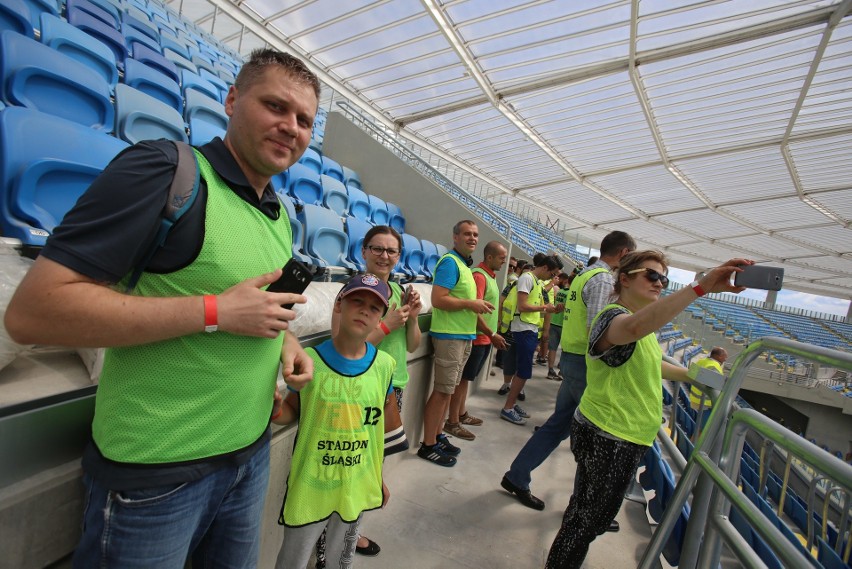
367 281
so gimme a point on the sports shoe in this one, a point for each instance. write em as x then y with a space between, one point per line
552 373
522 396
520 411
447 446
504 389
458 431
512 416
468 419
436 455
541 361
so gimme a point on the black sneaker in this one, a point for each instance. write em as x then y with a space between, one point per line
435 454
522 396
504 389
447 446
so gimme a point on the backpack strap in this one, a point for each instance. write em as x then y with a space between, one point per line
182 194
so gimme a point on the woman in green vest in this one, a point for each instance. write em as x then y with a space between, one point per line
620 411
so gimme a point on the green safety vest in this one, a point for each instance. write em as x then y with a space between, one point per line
460 322
510 305
396 343
626 401
557 317
337 458
492 295
199 395
575 332
694 393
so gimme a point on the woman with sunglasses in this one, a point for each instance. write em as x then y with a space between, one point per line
620 411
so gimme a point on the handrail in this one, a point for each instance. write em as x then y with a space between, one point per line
358 118
713 473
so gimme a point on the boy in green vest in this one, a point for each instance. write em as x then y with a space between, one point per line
486 289
344 416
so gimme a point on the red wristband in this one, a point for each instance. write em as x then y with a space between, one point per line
211 315
385 328
697 288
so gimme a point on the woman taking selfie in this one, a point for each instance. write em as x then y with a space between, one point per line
620 411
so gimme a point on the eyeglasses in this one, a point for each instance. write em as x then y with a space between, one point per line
378 251
652 276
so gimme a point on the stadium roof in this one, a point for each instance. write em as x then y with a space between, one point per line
709 129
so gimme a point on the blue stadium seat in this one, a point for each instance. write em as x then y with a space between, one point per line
397 220
205 117
38 77
359 205
350 176
15 16
297 229
133 36
216 81
356 229
105 15
171 42
179 61
140 116
155 59
430 254
35 8
334 194
58 34
312 160
325 239
380 210
202 62
331 168
150 81
412 256
442 250
194 81
303 185
742 526
141 24
828 557
101 31
46 163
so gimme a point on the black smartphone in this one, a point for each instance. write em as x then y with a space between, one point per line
759 276
295 278
407 295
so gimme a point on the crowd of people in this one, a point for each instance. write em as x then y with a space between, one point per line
178 464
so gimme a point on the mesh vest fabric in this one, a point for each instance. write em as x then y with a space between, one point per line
626 401
575 332
694 392
492 295
558 317
534 298
337 458
461 322
396 343
199 395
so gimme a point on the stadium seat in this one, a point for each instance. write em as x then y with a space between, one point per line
397 220
359 205
202 62
356 229
216 81
132 36
828 557
205 117
412 256
40 78
296 228
442 250
331 168
47 163
334 195
35 8
150 81
194 81
15 16
109 15
58 34
156 60
140 116
350 176
303 185
325 240
430 257
171 42
312 160
101 31
140 24
380 210
180 62
742 526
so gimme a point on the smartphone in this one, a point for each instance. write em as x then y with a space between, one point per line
407 295
295 278
759 276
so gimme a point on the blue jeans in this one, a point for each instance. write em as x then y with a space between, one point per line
216 520
557 428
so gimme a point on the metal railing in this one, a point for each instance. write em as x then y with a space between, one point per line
713 468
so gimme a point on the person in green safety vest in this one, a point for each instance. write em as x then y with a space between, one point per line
563 283
453 328
487 335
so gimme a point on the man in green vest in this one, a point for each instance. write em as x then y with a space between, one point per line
717 358
178 464
590 291
454 311
487 335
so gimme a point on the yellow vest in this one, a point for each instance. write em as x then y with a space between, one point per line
510 305
694 393
459 322
575 331
492 295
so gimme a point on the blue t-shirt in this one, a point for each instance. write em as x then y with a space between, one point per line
345 366
447 276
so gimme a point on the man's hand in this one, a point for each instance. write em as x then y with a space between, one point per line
549 309
385 495
498 342
297 367
480 306
396 317
247 310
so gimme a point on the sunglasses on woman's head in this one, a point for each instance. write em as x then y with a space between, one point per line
652 275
